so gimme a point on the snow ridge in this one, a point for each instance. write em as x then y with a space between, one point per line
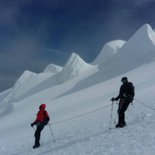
52 68
108 51
76 66
140 48
115 58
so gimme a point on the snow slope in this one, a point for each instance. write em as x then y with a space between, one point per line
80 122
80 115
5 107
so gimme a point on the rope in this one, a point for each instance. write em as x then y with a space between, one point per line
145 105
98 109
92 111
81 115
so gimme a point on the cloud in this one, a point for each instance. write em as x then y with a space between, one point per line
67 25
143 2
10 10
135 3
25 53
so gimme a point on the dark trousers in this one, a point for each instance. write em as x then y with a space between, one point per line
123 105
38 134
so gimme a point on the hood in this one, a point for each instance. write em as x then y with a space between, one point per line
42 107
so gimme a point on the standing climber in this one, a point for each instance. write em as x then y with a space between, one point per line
41 120
125 97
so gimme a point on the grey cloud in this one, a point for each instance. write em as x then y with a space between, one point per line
135 3
10 10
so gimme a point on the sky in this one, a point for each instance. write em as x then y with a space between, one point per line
35 33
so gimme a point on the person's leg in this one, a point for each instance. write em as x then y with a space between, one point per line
123 105
37 136
119 111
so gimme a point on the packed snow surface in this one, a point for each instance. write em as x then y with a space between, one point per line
78 101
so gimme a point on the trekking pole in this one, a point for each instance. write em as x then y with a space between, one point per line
115 119
111 115
51 132
34 129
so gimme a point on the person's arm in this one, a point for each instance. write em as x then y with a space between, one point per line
119 95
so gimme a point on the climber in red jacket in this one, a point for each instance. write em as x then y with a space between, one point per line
41 120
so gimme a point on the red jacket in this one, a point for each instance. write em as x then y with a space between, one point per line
42 114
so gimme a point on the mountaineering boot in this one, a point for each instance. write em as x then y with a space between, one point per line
37 139
36 146
121 125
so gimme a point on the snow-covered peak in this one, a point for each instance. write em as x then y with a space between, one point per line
143 33
73 60
108 51
140 48
18 89
27 81
21 85
24 77
76 66
52 68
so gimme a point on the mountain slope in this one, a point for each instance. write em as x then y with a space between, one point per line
80 122
116 57
78 101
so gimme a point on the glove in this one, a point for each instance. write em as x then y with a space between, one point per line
32 124
112 99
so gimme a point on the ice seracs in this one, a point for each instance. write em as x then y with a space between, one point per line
52 68
76 67
140 48
108 51
27 81
116 57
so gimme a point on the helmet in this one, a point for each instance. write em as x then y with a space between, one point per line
124 79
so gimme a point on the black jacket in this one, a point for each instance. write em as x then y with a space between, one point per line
126 91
